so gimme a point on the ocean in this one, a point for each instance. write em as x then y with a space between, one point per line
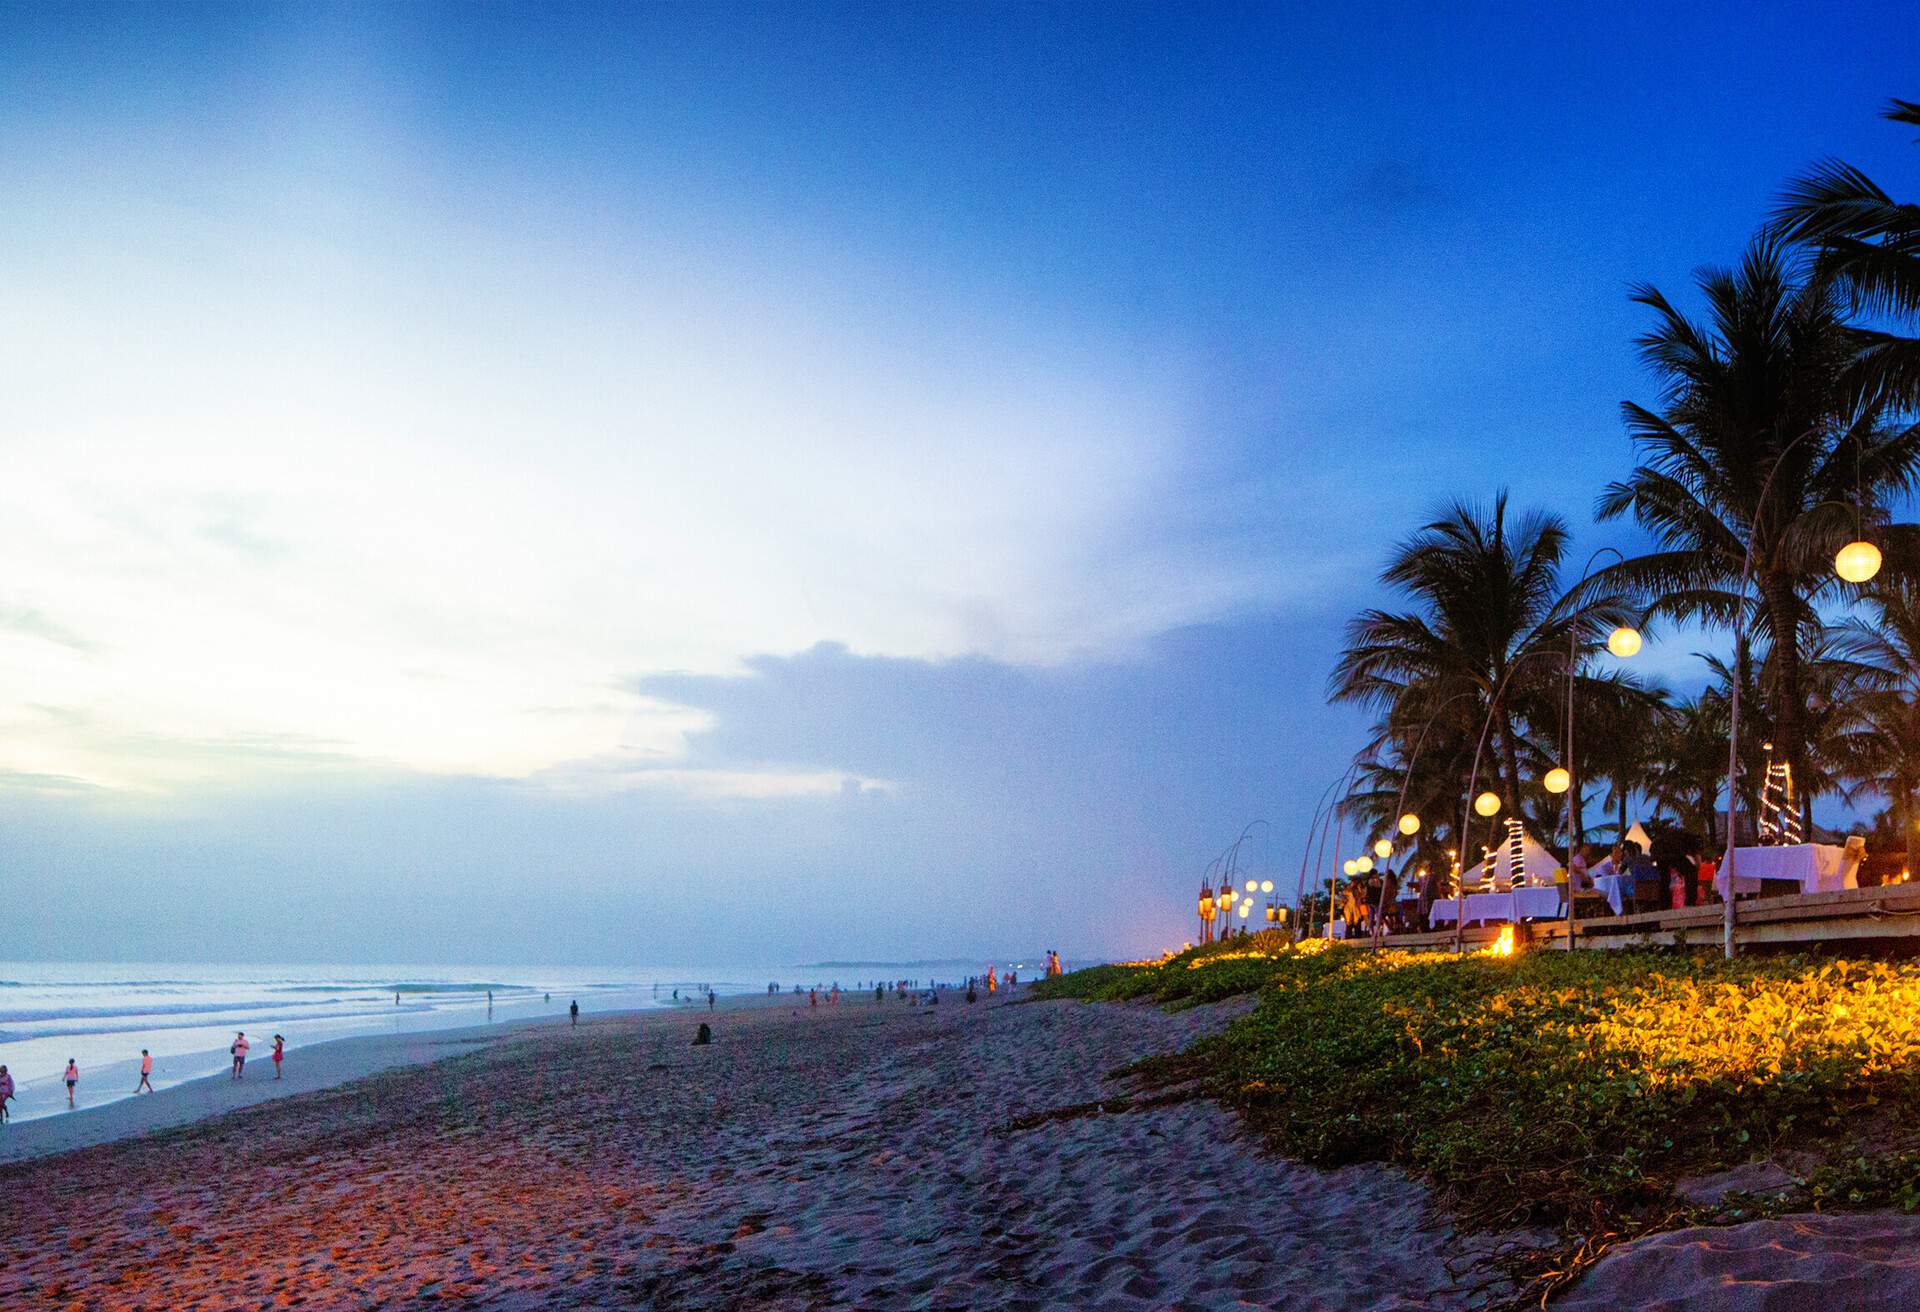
102 1015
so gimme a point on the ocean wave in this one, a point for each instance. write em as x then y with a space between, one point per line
374 986
211 1006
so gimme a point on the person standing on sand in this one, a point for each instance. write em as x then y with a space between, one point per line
239 1051
712 998
6 1092
279 1051
146 1072
993 982
574 1011
73 1078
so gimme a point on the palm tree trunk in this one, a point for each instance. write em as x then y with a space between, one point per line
1510 761
1906 820
1621 784
1789 705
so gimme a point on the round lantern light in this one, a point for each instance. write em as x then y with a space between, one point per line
1246 909
1363 864
1857 562
1383 849
1350 868
1487 803
1266 886
1623 641
1409 824
1557 780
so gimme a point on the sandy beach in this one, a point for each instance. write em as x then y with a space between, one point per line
851 1156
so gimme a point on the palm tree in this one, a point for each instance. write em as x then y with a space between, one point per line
1490 628
1690 762
1833 681
1869 244
1757 401
1881 753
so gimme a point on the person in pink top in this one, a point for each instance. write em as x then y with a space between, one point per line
279 1051
73 1078
6 1091
239 1051
146 1072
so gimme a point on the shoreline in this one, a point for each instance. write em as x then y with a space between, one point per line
873 1155
327 1064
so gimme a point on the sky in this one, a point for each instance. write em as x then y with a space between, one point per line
711 483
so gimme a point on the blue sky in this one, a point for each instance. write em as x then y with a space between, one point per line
906 464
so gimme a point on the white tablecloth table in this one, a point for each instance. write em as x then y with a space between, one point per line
1533 903
1618 889
1816 867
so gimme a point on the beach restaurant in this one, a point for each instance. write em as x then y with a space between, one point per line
1784 891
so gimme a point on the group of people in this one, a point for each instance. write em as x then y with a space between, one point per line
1670 872
237 1050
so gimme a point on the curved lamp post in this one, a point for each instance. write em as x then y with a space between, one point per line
1322 818
1623 642
1486 804
1856 562
1407 823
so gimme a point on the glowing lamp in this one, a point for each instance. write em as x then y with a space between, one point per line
1857 562
1363 864
1486 804
1383 849
1556 780
1245 907
1266 886
1409 824
1350 868
1623 641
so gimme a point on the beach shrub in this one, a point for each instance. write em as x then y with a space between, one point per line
1566 1088
1199 974
1089 984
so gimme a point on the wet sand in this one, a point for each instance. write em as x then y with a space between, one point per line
853 1156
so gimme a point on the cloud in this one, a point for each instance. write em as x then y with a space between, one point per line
28 623
845 804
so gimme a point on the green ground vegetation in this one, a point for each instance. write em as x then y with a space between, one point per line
1561 1090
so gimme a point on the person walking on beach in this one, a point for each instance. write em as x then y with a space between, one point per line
712 998
279 1051
146 1072
574 1011
6 1092
73 1078
239 1052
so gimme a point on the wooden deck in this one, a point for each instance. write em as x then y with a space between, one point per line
1891 912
